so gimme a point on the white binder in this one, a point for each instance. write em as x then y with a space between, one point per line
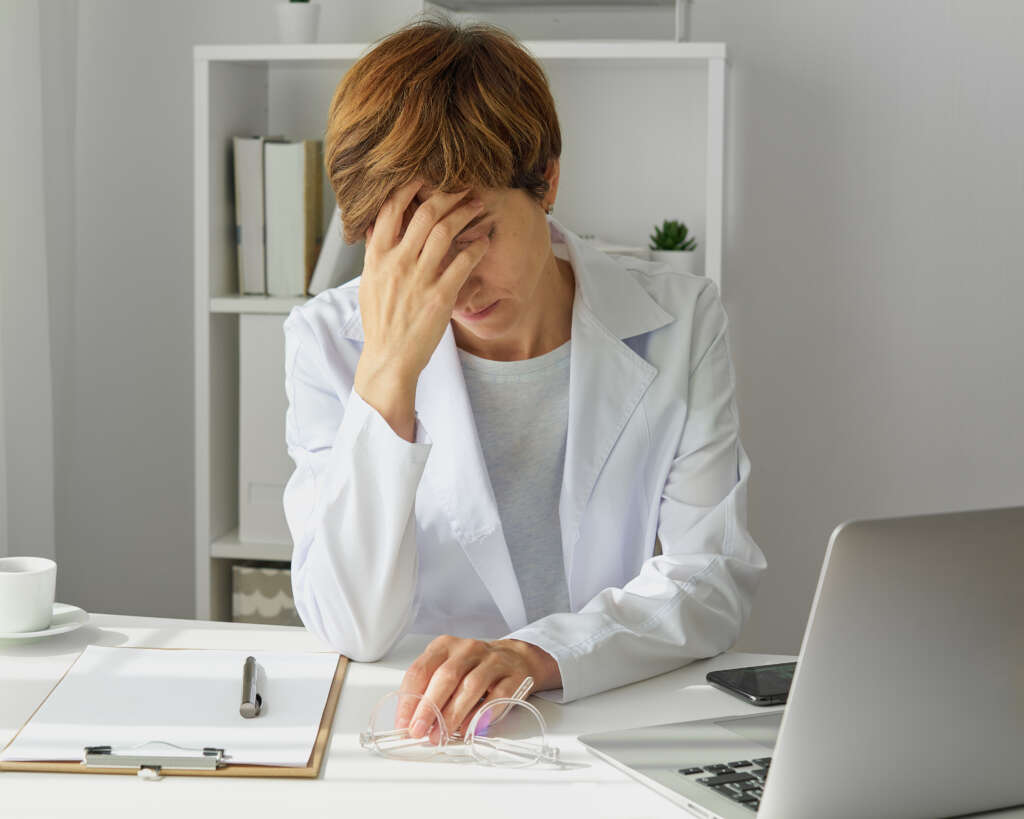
264 465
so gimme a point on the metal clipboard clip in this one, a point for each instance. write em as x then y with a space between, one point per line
150 765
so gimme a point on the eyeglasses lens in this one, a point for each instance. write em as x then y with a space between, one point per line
513 740
396 742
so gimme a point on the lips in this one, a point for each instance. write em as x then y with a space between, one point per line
482 313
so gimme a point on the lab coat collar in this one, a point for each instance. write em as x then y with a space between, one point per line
606 382
614 298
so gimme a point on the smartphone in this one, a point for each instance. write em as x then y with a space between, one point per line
756 684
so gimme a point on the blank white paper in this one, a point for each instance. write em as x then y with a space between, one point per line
127 697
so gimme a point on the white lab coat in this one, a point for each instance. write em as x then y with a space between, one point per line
392 536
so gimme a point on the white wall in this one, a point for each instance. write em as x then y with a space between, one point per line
59 57
872 268
871 273
26 419
125 464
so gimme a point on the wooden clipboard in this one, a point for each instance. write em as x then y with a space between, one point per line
310 771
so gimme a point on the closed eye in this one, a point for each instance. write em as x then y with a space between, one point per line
465 240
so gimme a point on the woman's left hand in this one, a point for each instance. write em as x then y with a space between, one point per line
458 674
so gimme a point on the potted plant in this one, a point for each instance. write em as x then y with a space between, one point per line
669 243
297 20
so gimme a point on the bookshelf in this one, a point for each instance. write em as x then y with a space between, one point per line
643 127
253 304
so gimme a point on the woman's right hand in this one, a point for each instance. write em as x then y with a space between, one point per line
405 298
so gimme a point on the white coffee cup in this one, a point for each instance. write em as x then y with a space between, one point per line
27 586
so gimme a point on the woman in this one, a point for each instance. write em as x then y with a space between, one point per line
496 424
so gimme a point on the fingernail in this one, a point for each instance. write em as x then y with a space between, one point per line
419 728
475 203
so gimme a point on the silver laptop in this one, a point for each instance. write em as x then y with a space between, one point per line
908 698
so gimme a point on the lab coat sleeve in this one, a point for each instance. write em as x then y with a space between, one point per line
349 506
691 601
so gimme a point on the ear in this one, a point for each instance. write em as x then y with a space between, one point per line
551 175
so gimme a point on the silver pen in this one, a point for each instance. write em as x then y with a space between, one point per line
252 689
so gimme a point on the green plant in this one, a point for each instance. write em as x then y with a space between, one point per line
671 236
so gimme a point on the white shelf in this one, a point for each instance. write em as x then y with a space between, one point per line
318 55
255 304
544 5
231 547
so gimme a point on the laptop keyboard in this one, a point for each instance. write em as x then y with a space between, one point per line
741 781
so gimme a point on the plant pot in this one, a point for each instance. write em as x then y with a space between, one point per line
297 22
682 261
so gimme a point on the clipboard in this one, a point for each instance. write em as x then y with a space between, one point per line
206 763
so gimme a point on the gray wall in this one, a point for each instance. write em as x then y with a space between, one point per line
872 270
871 274
26 399
124 464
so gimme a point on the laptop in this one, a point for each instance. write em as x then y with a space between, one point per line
908 697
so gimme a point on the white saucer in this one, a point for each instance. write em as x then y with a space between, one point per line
65 618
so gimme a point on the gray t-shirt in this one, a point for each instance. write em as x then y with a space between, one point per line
521 410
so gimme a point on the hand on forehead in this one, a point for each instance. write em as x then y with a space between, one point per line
461 195
428 190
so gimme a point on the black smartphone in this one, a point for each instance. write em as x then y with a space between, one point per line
756 684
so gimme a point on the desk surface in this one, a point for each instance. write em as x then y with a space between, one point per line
352 778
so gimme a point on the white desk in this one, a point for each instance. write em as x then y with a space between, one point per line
353 781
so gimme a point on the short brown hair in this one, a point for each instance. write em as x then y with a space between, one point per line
459 105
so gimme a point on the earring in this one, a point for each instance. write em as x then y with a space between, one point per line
550 207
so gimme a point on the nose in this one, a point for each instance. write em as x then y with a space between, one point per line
466 293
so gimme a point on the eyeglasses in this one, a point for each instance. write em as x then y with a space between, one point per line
521 740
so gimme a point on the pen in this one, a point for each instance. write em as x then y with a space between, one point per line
252 696
521 693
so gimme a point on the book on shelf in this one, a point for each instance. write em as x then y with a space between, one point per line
249 214
264 465
293 192
615 249
337 262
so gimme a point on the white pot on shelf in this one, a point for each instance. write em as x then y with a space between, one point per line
681 260
297 22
